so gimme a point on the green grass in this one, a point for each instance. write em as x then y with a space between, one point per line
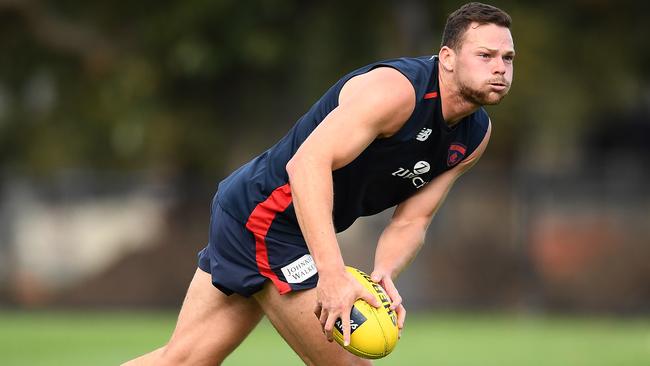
107 338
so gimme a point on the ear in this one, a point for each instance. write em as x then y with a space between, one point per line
447 58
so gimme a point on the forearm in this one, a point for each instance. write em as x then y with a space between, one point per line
398 245
404 236
312 194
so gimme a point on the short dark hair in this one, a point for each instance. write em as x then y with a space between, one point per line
460 20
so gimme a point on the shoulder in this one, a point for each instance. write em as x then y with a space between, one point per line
417 70
388 90
383 93
396 74
381 82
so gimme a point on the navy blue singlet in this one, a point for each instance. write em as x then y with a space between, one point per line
386 173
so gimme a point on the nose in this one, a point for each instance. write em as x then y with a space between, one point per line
499 66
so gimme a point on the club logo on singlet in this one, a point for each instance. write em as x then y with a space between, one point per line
421 167
456 154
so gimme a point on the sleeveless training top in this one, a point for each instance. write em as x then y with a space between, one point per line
386 173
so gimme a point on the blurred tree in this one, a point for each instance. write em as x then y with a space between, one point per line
169 85
197 86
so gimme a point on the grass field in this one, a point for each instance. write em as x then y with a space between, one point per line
107 338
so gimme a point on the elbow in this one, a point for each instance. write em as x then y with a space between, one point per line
302 165
292 167
419 224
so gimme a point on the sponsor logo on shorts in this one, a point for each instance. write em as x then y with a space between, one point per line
356 319
300 269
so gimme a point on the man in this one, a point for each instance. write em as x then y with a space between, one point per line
394 133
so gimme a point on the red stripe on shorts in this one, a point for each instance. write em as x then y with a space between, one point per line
259 223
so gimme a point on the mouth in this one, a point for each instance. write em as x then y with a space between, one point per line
498 86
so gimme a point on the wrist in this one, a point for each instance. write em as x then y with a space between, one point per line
331 268
384 270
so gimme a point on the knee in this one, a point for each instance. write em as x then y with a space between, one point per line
356 361
172 354
346 360
175 354
146 359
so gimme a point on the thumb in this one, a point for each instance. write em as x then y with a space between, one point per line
376 276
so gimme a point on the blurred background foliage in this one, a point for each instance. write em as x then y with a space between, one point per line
186 91
177 86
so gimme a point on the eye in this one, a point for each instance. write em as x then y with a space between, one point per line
508 59
483 55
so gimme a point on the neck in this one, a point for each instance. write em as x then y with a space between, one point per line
454 105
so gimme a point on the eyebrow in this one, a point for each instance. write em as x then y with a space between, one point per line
493 50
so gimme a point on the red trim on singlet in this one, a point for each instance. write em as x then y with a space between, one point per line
259 223
431 95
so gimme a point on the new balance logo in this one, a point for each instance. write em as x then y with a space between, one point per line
423 134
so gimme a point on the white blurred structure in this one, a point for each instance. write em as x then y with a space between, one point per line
57 241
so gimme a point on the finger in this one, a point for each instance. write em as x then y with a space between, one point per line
376 277
401 317
391 290
317 310
323 319
370 299
329 325
345 319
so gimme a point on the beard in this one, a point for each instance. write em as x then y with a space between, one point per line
482 96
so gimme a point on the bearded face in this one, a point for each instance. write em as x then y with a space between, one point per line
483 92
484 64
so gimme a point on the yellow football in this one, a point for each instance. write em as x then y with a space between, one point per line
374 331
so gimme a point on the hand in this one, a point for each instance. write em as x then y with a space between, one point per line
386 281
336 293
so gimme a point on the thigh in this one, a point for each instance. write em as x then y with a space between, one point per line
293 316
210 324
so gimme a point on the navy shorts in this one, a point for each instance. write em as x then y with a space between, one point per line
242 257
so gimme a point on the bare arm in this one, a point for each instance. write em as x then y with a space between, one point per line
371 105
403 237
